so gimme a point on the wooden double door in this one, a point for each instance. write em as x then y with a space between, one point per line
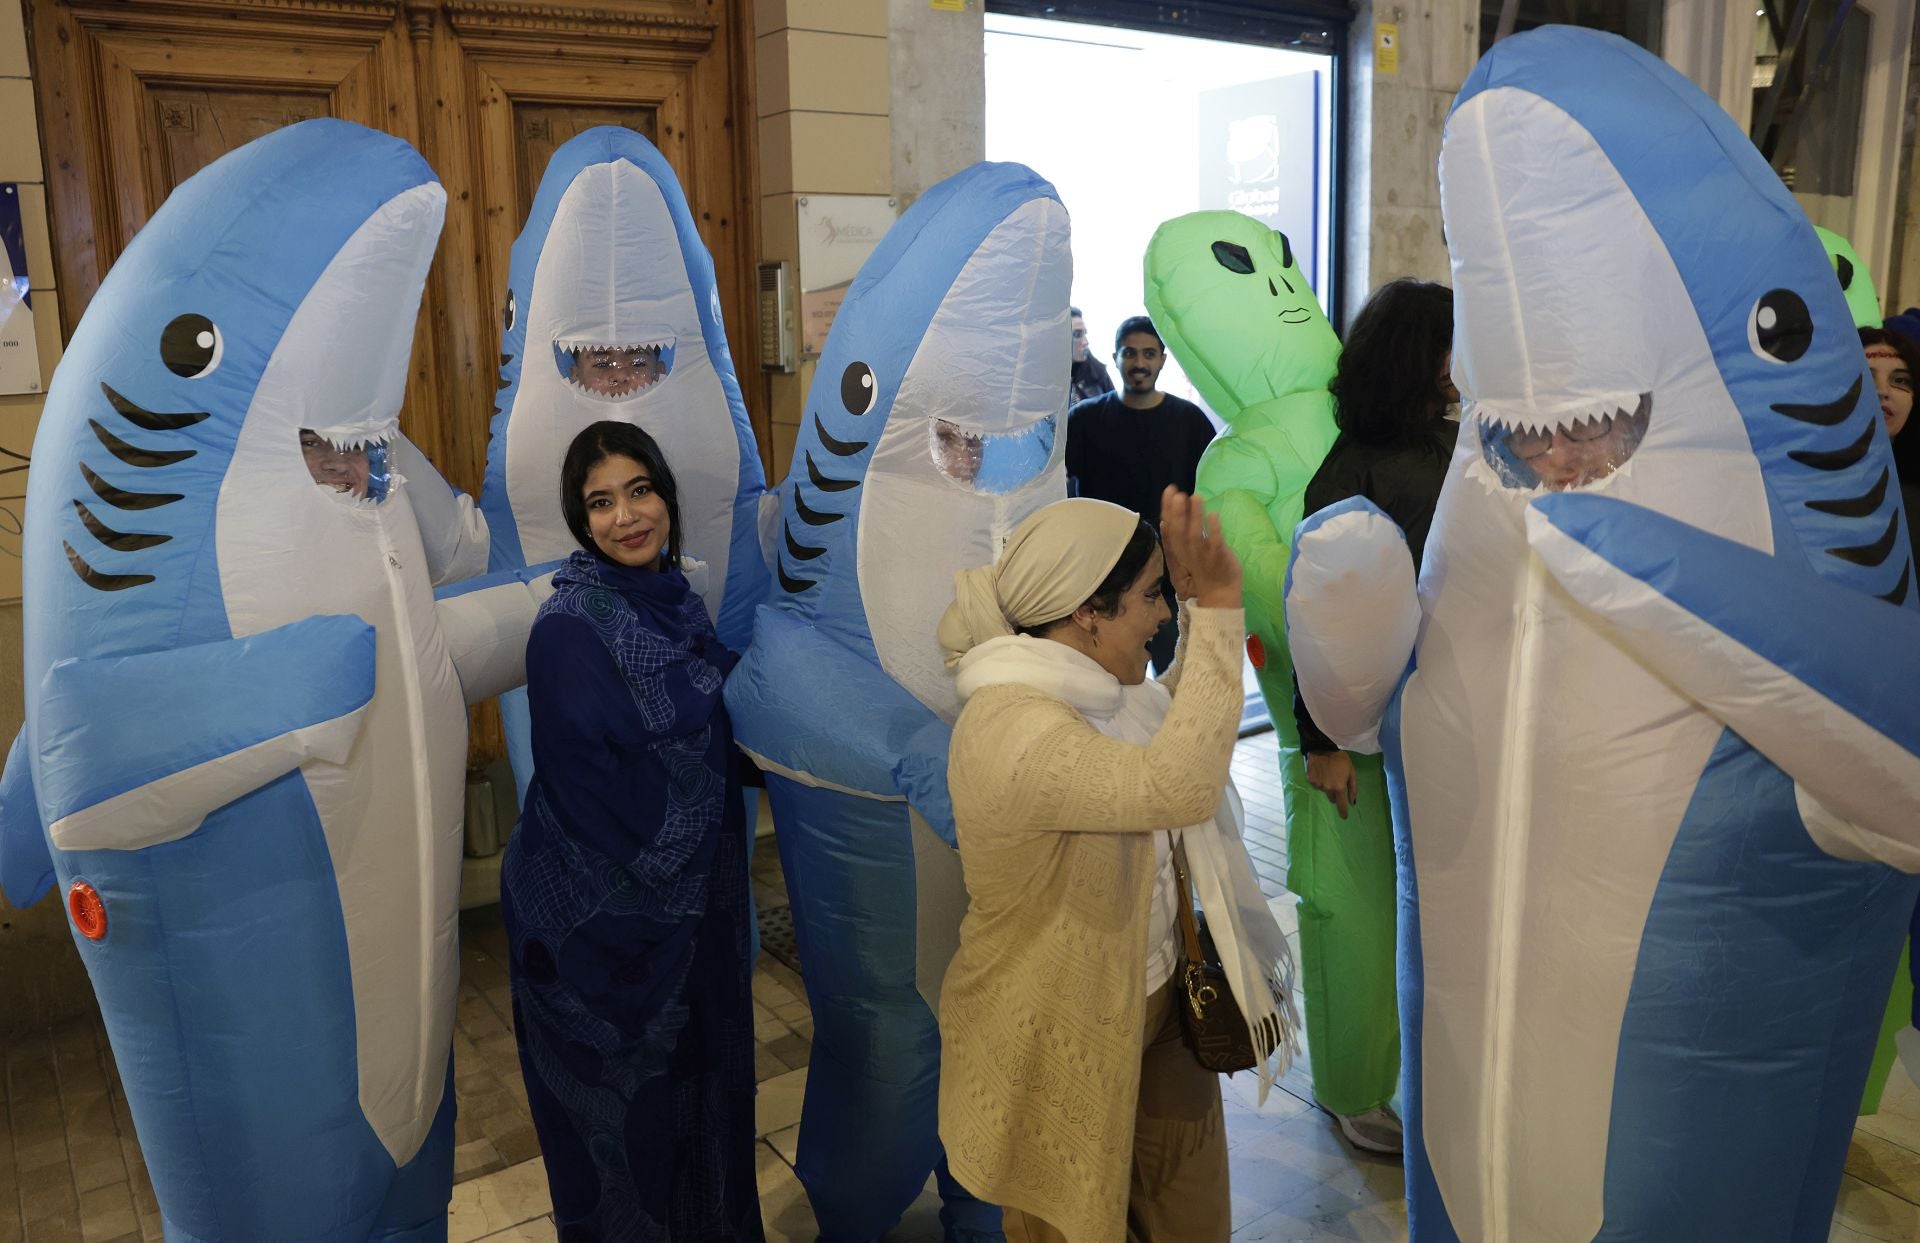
135 96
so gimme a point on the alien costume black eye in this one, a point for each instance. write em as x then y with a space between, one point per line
512 312
1286 248
1233 257
1844 270
191 346
1780 328
857 388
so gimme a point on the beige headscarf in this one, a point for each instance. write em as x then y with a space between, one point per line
1053 562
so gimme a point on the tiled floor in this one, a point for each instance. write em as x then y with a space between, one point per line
71 1170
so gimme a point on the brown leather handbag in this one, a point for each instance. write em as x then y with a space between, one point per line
1210 1018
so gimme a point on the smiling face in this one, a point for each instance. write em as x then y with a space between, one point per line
626 517
1894 384
1123 637
1141 357
343 470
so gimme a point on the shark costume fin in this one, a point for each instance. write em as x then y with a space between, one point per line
1353 614
192 729
485 622
1771 649
453 533
26 868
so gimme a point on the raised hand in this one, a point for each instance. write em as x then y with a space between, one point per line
1199 562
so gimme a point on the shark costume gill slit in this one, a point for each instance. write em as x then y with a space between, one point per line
931 432
1657 744
611 259
246 712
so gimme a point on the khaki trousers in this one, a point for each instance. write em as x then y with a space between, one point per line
1179 1187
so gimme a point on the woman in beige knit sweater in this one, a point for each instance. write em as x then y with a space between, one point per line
1066 1093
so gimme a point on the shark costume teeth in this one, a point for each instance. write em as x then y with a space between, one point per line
245 736
932 429
1654 734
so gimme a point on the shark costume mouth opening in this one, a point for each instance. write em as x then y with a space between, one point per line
991 462
357 469
1569 453
614 372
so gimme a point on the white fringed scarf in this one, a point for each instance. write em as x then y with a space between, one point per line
1253 951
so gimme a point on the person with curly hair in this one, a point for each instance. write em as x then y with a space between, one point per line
1391 394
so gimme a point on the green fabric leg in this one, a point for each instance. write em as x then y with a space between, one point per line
1343 873
1899 1014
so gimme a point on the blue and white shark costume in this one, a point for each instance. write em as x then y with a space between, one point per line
1657 744
245 744
931 432
610 256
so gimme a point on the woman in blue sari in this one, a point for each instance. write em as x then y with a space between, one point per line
625 889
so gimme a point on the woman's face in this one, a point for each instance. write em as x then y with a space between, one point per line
343 470
1122 650
617 372
1894 383
625 516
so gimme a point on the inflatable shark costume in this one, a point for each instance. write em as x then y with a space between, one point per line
1235 309
931 432
1658 741
610 256
245 742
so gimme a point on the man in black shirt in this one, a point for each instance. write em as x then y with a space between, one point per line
1126 447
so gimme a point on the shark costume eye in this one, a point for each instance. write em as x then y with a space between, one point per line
511 313
857 388
191 346
1780 328
1233 257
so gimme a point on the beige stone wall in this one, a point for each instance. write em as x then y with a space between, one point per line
1394 122
41 979
823 97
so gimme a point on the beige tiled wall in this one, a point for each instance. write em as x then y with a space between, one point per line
823 90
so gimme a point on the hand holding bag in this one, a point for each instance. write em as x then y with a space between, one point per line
1210 1018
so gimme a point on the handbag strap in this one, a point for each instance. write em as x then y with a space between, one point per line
1183 902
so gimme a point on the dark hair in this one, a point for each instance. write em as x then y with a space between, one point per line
595 444
1137 323
1105 599
1899 342
1906 447
1073 312
1386 386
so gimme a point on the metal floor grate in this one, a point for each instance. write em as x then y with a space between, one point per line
776 935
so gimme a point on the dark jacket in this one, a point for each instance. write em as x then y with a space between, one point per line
1404 481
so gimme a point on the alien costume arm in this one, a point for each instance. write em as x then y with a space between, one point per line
893 749
1782 656
451 528
1352 616
136 750
485 622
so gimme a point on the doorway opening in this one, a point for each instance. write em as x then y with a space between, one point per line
1136 125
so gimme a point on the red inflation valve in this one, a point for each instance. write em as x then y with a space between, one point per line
1256 651
88 911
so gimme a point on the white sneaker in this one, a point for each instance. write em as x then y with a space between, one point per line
1377 1130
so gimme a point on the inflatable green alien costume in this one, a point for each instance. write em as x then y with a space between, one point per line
1233 307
